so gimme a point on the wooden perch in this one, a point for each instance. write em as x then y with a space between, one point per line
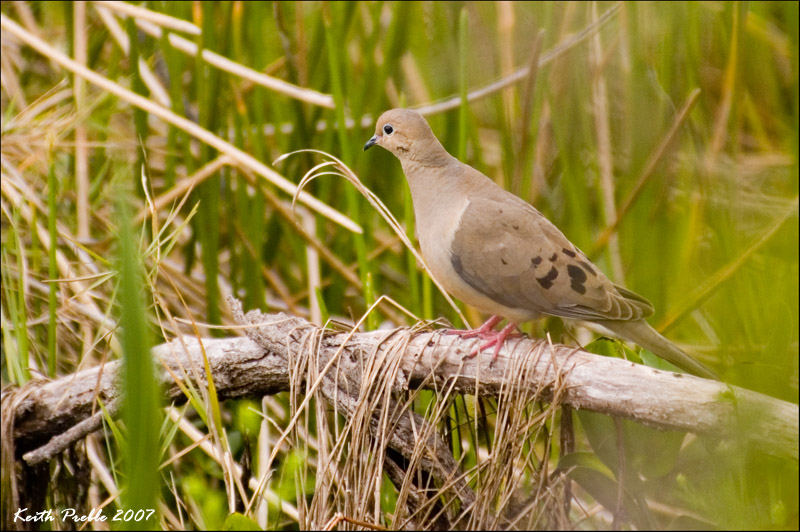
45 412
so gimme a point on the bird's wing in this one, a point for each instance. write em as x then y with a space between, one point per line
505 249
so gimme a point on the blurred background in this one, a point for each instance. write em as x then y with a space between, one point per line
661 138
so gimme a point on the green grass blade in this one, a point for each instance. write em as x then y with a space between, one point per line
140 388
52 272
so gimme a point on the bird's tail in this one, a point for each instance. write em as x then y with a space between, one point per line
645 336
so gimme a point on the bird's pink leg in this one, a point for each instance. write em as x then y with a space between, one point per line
481 332
495 338
491 337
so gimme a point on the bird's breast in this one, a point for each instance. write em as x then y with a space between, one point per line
436 229
436 226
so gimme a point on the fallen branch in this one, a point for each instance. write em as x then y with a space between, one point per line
242 367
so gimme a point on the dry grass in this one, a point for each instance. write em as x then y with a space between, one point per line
197 151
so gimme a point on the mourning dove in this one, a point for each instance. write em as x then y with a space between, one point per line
496 252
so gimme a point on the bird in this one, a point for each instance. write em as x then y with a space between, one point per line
495 251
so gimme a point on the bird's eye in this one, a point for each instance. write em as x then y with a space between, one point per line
388 129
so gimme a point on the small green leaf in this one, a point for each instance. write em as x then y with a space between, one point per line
237 521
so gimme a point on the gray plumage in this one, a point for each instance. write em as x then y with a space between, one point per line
495 251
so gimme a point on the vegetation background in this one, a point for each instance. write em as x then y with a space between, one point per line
665 145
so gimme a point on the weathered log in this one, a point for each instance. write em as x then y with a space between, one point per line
241 367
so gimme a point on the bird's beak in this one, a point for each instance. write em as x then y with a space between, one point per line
371 142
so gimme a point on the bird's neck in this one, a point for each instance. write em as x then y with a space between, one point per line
439 191
426 152
425 166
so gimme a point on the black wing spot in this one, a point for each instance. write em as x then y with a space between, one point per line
547 280
588 267
568 252
554 257
503 260
536 261
455 260
577 278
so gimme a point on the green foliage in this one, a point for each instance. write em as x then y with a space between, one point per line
210 500
141 394
710 234
291 475
237 521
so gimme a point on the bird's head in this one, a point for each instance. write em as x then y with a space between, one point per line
406 134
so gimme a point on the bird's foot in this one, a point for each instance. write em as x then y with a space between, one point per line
496 339
487 333
484 331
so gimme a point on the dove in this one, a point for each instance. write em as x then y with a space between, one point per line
496 252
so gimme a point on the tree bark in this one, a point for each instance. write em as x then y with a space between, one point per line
43 410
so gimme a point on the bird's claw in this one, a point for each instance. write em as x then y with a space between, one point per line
491 337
